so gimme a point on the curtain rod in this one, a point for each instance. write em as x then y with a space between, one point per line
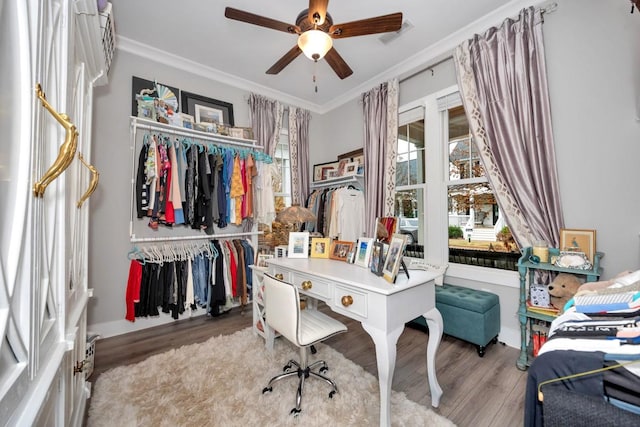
547 9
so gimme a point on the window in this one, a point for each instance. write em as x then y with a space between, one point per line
282 188
410 175
457 220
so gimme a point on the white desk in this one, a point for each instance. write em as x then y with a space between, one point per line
382 308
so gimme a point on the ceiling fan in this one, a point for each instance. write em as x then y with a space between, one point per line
316 31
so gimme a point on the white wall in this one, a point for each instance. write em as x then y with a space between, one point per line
592 60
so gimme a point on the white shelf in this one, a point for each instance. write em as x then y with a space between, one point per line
357 180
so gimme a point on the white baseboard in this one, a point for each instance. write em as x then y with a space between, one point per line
119 327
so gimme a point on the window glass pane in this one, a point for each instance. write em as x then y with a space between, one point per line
410 161
476 228
410 213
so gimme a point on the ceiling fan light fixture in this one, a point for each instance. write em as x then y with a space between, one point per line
315 44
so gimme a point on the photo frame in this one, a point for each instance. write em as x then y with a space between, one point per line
342 164
352 155
350 168
340 250
377 258
205 108
261 259
320 247
236 132
363 251
394 257
185 120
320 170
578 240
298 245
137 85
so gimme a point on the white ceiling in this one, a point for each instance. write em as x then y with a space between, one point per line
196 35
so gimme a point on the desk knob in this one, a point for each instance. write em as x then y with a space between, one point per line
306 285
347 300
279 276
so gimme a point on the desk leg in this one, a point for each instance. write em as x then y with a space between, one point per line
434 322
385 343
269 337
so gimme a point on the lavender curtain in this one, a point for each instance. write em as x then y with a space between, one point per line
299 154
502 79
380 111
266 119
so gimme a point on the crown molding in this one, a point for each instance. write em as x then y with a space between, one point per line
162 57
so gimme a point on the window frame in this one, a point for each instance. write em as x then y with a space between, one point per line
435 209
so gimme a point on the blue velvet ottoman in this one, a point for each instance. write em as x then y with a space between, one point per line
468 314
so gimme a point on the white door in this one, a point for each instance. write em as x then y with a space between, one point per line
43 289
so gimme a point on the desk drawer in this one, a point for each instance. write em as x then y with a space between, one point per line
312 286
350 300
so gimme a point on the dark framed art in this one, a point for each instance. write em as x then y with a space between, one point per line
207 110
138 84
321 170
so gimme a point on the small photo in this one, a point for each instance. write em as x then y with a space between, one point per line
320 247
261 259
340 250
298 245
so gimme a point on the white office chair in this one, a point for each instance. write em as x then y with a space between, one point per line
303 328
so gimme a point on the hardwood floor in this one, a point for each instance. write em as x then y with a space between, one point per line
487 391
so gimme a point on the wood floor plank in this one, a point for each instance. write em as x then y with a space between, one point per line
487 391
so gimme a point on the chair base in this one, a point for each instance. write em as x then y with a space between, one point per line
303 372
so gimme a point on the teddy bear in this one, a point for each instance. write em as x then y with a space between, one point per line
562 289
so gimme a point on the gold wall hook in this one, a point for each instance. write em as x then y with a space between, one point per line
66 152
93 184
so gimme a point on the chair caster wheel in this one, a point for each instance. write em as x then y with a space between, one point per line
295 412
287 368
331 393
324 370
267 389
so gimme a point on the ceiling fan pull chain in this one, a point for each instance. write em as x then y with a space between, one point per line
315 69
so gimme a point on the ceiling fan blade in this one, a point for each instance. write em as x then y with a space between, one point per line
379 24
337 63
261 21
285 60
319 7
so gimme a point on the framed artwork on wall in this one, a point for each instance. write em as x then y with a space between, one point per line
207 109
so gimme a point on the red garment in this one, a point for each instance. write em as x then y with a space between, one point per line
169 215
133 289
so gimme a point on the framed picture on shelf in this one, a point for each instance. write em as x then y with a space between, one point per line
340 250
320 170
149 86
575 240
363 251
207 110
394 257
377 258
298 245
320 247
342 164
350 168
352 155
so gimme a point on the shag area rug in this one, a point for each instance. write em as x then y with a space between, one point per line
219 383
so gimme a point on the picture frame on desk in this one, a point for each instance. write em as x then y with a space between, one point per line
298 245
363 252
320 247
394 257
340 250
578 240
377 258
